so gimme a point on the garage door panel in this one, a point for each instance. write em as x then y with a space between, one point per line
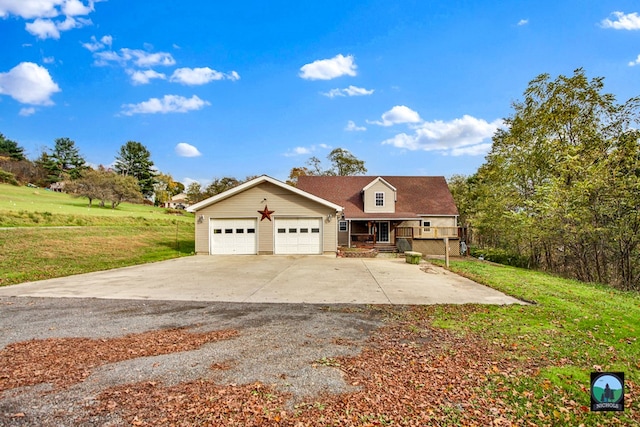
233 236
298 236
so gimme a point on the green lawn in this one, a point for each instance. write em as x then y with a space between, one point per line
44 234
24 206
570 330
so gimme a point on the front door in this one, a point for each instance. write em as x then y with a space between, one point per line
382 231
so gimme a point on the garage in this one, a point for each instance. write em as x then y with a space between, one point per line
265 216
298 236
233 236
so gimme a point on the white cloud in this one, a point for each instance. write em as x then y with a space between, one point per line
76 8
27 111
473 150
299 151
95 45
168 104
466 135
138 57
349 91
43 29
48 59
200 76
144 77
327 69
29 9
622 21
523 22
397 115
43 11
636 62
187 150
28 83
352 127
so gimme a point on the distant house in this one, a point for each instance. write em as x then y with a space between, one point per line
411 212
179 201
265 216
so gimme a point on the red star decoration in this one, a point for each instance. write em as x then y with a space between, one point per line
266 213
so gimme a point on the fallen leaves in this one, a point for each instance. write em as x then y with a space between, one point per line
65 361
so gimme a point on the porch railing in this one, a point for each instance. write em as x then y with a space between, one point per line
426 232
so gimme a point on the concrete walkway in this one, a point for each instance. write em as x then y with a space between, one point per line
272 279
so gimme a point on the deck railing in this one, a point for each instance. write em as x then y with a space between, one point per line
426 232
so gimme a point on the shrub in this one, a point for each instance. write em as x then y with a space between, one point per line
500 256
7 177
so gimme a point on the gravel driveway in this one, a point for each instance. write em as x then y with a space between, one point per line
278 345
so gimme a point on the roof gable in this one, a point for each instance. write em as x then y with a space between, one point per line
375 181
257 181
416 195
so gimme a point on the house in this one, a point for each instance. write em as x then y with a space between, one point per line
411 212
179 201
266 216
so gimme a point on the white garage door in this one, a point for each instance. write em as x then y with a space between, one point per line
233 236
298 235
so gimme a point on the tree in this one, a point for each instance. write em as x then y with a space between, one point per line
63 161
135 160
105 186
560 184
343 163
219 185
165 188
194 193
11 149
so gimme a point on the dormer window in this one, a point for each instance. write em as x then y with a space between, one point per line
379 199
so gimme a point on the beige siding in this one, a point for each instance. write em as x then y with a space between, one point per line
435 247
370 199
441 221
283 202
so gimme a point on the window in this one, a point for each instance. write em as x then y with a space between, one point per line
315 230
239 230
228 231
304 230
293 230
342 226
251 230
282 230
379 199
426 223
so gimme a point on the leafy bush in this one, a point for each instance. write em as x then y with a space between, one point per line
7 177
500 256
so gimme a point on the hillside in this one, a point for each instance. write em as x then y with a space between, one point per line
44 234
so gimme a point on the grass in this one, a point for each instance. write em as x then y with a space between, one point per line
571 330
24 206
46 234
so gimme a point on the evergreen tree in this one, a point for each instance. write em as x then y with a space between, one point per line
63 161
11 149
135 160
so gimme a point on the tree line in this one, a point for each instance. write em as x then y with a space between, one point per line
342 162
132 177
560 188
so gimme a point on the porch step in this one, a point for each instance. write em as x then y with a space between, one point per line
387 249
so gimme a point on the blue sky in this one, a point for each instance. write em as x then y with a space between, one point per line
242 88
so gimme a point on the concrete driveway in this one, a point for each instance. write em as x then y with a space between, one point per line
272 279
